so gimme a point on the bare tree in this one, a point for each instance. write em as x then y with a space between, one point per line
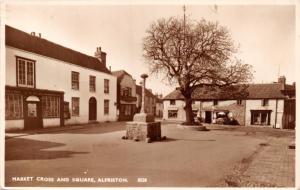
193 54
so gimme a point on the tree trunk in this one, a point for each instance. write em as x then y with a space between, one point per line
189 112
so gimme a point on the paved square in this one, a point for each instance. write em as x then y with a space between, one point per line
187 158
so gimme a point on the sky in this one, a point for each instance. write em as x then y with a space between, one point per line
264 33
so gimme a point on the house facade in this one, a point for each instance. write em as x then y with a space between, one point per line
51 85
257 104
126 95
150 100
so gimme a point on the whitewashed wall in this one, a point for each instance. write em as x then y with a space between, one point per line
179 105
256 105
54 74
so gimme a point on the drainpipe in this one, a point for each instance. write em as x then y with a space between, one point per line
276 113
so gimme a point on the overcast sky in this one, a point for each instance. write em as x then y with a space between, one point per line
265 33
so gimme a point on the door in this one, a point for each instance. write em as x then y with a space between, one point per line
208 117
33 118
92 109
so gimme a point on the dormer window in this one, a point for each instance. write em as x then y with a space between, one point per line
25 72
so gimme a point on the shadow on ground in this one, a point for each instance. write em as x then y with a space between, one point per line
34 150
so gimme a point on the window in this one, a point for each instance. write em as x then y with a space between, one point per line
92 83
75 106
106 107
13 106
126 91
106 86
172 113
215 102
239 102
172 102
51 106
75 80
25 72
260 117
265 102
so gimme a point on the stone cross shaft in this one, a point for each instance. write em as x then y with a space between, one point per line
143 76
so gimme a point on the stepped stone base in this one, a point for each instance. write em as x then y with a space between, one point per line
143 131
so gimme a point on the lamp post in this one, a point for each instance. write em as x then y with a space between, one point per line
143 76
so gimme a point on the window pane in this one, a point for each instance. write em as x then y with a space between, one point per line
106 107
92 84
75 80
29 73
13 106
106 86
21 72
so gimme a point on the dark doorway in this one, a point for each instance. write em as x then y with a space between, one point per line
92 109
207 116
32 119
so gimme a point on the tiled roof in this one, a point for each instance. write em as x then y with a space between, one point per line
251 91
120 74
24 41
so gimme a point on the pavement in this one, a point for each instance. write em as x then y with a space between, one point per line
185 159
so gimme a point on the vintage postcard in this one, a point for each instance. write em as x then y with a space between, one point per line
147 94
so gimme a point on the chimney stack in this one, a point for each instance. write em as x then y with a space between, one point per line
32 33
40 35
101 56
282 81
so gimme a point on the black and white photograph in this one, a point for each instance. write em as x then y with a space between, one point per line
178 94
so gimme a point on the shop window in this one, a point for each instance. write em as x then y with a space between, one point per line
172 113
260 117
13 106
51 106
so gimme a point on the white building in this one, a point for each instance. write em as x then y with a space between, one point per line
51 85
258 104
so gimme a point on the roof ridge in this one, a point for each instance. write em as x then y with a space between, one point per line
48 41
22 40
